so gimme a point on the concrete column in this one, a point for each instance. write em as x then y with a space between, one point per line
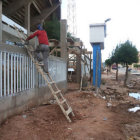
90 68
0 21
96 65
63 35
63 43
27 18
78 68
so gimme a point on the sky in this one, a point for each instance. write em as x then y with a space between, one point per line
124 24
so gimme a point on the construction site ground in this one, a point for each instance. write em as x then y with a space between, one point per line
102 116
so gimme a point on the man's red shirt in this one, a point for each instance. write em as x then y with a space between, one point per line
41 35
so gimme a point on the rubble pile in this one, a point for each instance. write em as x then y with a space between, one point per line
117 95
114 92
134 84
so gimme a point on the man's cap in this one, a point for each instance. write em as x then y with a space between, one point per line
39 27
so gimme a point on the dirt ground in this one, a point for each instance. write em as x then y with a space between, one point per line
102 116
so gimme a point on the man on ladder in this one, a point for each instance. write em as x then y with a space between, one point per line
43 47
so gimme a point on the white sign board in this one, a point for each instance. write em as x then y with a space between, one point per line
97 33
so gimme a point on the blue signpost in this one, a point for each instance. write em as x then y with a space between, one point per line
96 65
97 34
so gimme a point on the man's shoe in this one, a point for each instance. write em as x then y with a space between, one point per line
46 72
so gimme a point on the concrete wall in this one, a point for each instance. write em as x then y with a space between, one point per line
10 34
57 68
14 104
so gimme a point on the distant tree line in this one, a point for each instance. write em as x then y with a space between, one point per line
125 54
136 65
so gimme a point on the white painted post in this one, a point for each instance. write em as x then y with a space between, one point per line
39 80
8 73
29 73
0 21
27 17
20 72
14 74
11 74
17 72
4 73
0 74
33 75
25 73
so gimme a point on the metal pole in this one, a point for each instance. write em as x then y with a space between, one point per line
8 74
0 74
97 63
11 74
17 72
20 72
14 74
4 73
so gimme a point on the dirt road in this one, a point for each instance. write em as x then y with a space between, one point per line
94 120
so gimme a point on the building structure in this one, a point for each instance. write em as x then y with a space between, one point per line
17 71
21 86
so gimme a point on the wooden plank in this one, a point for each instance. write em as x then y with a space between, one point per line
88 52
63 101
44 14
53 51
36 6
56 92
69 111
51 2
12 8
74 44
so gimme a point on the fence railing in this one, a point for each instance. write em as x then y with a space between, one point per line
16 73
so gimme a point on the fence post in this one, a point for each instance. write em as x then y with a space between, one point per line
0 74
4 73
0 21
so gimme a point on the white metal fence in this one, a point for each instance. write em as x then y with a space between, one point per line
16 73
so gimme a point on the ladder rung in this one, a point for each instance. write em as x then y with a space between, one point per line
69 111
46 73
39 64
39 68
31 50
56 92
63 101
51 82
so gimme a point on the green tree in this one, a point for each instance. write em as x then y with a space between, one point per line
53 28
108 63
71 36
127 54
115 59
136 66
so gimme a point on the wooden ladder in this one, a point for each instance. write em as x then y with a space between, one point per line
57 94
